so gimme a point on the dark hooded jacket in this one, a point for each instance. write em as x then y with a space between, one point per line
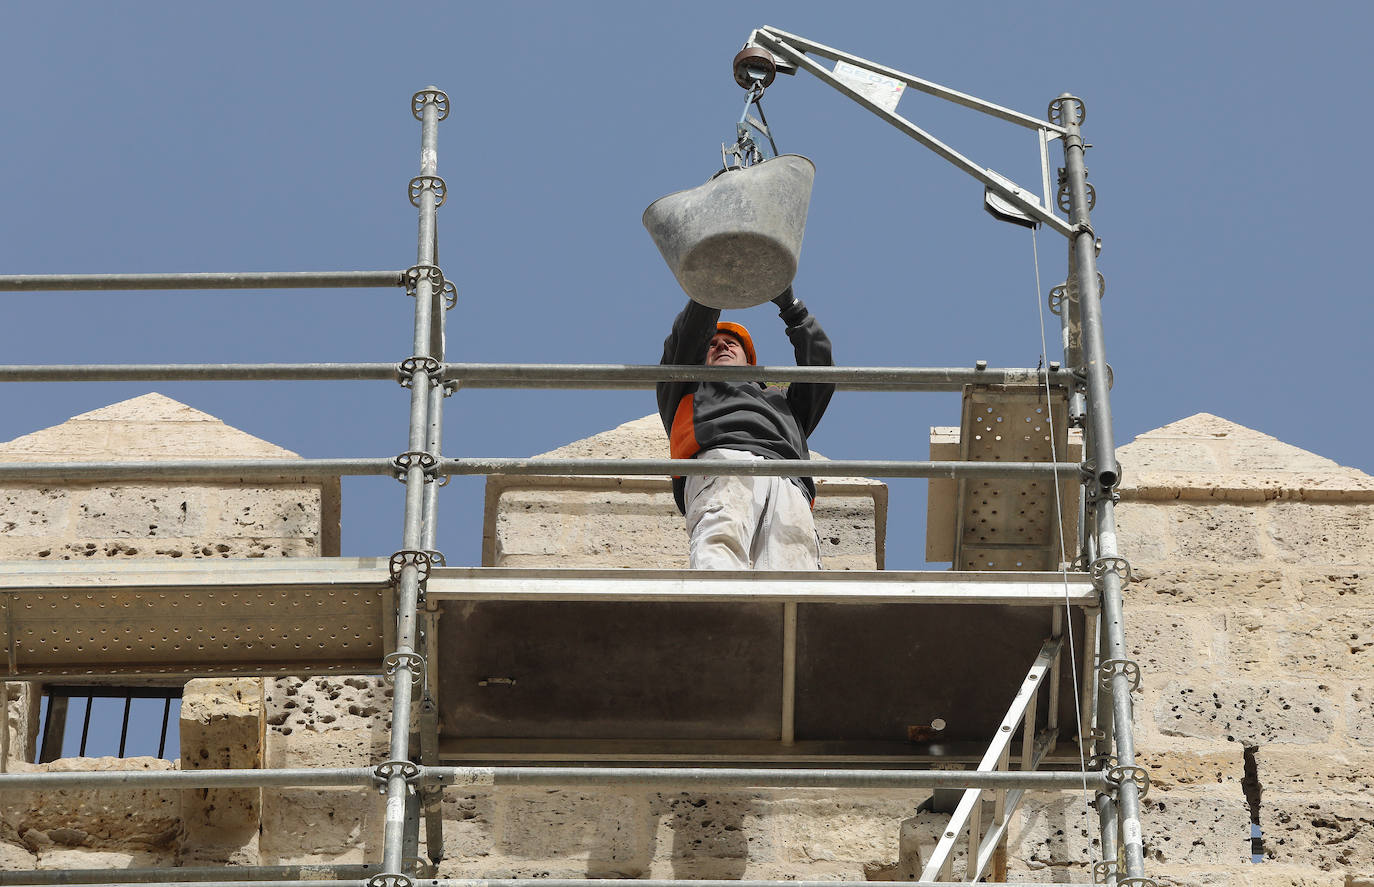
769 421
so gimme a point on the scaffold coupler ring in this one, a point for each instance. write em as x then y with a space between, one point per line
414 274
1118 565
1056 110
1110 668
1137 882
406 370
451 295
1120 773
436 97
1104 870
390 879
420 184
413 662
416 458
421 560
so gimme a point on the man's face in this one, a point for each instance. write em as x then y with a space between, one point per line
725 350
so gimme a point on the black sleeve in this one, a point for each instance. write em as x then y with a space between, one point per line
686 345
811 345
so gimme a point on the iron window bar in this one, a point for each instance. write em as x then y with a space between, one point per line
57 714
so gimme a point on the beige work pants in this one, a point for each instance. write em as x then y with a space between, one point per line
748 523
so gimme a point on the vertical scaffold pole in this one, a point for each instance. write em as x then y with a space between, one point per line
411 565
1108 566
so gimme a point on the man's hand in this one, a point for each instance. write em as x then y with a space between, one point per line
791 309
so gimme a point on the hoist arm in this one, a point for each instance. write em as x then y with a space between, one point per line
790 52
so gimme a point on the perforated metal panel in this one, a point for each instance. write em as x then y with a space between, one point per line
1008 524
296 627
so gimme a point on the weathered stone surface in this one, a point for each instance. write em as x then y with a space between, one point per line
1163 640
1143 530
327 721
604 829
1324 833
120 819
469 831
34 511
1247 713
1322 534
1053 834
842 828
221 728
716 826
15 857
1216 586
318 825
1295 770
1196 827
1359 715
1172 767
1220 534
1335 644
22 719
1339 588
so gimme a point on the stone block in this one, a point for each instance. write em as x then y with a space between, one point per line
1250 642
1325 833
588 527
1171 767
724 826
16 857
1164 639
122 820
1334 588
1321 534
853 831
1215 586
1055 833
314 825
1248 713
1196 827
469 832
34 511
273 513
606 830
1359 715
1335 645
152 512
1293 770
222 728
21 719
1143 531
333 721
59 858
1221 534
1245 875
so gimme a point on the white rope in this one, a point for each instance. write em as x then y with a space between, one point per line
1059 510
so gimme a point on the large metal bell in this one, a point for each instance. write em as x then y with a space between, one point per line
734 242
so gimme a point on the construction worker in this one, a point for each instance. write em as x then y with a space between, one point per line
742 522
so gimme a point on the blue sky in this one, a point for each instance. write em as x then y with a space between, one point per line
1229 160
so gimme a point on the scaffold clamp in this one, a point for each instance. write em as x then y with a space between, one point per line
407 770
436 97
1103 761
1110 668
390 879
415 273
451 295
1074 104
1104 565
1137 882
421 560
421 184
407 369
413 662
1104 871
1120 773
416 459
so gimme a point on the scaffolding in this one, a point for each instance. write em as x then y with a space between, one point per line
389 599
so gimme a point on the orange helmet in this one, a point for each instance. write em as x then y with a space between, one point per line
739 332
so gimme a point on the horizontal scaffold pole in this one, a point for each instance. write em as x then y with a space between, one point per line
198 372
198 874
789 778
320 469
849 378
760 468
195 470
467 777
590 376
200 280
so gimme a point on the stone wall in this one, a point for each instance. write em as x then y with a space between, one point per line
1252 617
223 722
